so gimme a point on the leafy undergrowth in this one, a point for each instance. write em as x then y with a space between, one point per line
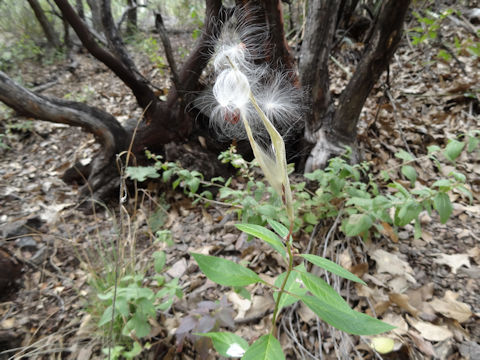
428 286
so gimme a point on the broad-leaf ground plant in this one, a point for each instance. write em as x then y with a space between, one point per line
258 103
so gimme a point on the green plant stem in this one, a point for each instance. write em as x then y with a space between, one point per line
284 283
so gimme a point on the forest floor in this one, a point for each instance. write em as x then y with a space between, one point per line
428 287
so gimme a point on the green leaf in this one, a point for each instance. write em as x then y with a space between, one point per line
106 316
444 55
265 348
410 173
136 350
332 267
459 176
310 218
293 286
267 210
159 262
405 156
407 213
441 203
473 142
357 224
225 272
465 192
349 320
266 235
364 203
139 323
453 149
442 183
400 188
193 184
279 228
122 306
141 173
321 290
226 343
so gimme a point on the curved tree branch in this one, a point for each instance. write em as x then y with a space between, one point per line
104 126
280 50
141 90
167 46
386 35
115 40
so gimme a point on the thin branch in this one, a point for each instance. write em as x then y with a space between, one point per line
137 84
386 35
168 49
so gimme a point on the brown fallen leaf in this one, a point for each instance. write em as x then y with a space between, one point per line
422 345
391 264
454 261
260 306
474 253
389 232
401 326
451 308
401 300
429 331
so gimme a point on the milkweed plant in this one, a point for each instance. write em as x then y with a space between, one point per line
259 103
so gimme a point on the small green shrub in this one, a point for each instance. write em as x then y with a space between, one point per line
365 205
125 309
428 31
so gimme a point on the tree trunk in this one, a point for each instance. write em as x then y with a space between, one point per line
330 129
95 10
166 122
327 127
108 131
51 35
131 17
80 10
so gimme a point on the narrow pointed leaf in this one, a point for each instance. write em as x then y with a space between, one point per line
332 267
279 228
265 348
225 272
293 286
349 321
320 289
264 234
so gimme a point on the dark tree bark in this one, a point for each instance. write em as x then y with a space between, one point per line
313 67
280 49
10 271
386 35
162 31
80 10
108 131
165 121
94 6
329 129
47 27
131 17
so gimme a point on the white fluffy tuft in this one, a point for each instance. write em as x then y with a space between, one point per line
239 48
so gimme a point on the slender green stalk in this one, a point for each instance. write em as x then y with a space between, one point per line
284 283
